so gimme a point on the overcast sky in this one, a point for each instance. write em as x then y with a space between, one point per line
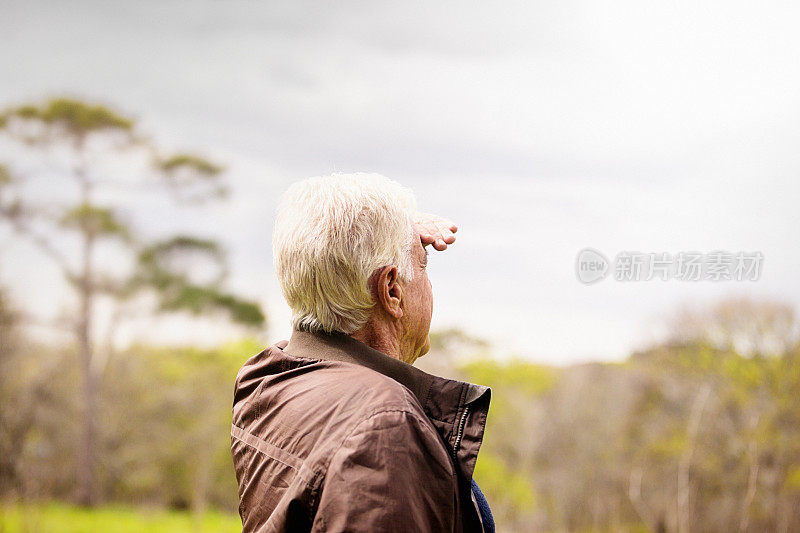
541 128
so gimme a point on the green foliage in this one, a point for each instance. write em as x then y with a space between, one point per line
502 471
5 175
528 377
158 269
79 118
581 437
157 261
59 518
164 439
95 220
512 488
199 300
183 396
669 446
190 162
193 178
793 478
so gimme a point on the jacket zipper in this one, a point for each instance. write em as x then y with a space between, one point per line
460 433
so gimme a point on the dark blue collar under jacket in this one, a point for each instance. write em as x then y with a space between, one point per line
483 507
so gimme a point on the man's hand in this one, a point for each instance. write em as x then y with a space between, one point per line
435 230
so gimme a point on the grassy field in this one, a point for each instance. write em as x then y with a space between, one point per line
60 518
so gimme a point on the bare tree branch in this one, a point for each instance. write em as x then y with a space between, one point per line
686 459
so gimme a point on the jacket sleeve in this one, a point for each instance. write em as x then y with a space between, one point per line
391 474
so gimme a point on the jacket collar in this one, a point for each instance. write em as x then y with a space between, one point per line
457 409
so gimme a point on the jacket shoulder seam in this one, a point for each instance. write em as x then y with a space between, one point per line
273 452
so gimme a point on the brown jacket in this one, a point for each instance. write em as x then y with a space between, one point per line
337 436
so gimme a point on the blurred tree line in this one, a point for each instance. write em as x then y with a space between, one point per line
698 433
694 434
163 423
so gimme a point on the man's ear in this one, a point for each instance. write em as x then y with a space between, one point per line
389 292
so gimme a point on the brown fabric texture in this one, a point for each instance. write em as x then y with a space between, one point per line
337 436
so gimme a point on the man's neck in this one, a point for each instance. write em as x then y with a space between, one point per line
381 337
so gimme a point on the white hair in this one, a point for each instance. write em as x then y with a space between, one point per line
331 233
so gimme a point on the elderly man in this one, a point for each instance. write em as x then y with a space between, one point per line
336 430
